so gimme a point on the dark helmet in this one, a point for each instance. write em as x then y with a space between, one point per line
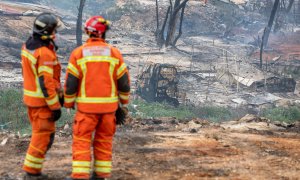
45 24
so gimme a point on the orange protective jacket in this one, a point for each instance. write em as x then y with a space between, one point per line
97 78
41 73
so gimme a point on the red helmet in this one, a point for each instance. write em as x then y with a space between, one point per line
96 25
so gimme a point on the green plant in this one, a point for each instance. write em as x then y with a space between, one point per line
282 114
213 113
146 110
13 113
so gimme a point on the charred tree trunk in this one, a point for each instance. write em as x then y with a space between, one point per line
286 5
261 49
271 21
171 17
267 30
157 21
291 2
79 23
180 27
282 17
173 21
171 5
161 34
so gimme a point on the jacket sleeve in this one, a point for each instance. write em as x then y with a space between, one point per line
71 82
46 63
123 81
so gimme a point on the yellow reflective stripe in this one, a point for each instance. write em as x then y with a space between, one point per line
73 69
37 149
82 90
124 97
38 93
82 62
103 163
81 163
70 100
121 69
29 56
33 93
124 93
32 165
82 139
97 59
45 69
81 170
103 140
52 101
111 74
34 159
97 100
102 150
103 169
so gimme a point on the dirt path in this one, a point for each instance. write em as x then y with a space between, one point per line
210 153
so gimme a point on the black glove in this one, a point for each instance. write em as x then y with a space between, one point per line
56 114
61 101
121 116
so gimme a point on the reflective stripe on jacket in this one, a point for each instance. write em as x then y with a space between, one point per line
41 74
96 67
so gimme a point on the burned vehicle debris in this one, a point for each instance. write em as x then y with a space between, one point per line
277 85
158 83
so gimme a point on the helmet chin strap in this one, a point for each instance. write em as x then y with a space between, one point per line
47 37
51 39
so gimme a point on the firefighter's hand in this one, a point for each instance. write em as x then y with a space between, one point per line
60 93
56 114
61 101
121 114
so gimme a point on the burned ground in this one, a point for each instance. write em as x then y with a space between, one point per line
209 153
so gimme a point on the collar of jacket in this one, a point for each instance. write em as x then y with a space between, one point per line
35 42
95 40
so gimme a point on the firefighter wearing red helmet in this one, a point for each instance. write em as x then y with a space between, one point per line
97 81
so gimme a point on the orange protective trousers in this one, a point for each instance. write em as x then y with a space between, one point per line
84 125
43 130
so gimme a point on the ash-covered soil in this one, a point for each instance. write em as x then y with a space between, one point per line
170 149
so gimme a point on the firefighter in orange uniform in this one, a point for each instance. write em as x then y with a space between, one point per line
97 80
42 91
